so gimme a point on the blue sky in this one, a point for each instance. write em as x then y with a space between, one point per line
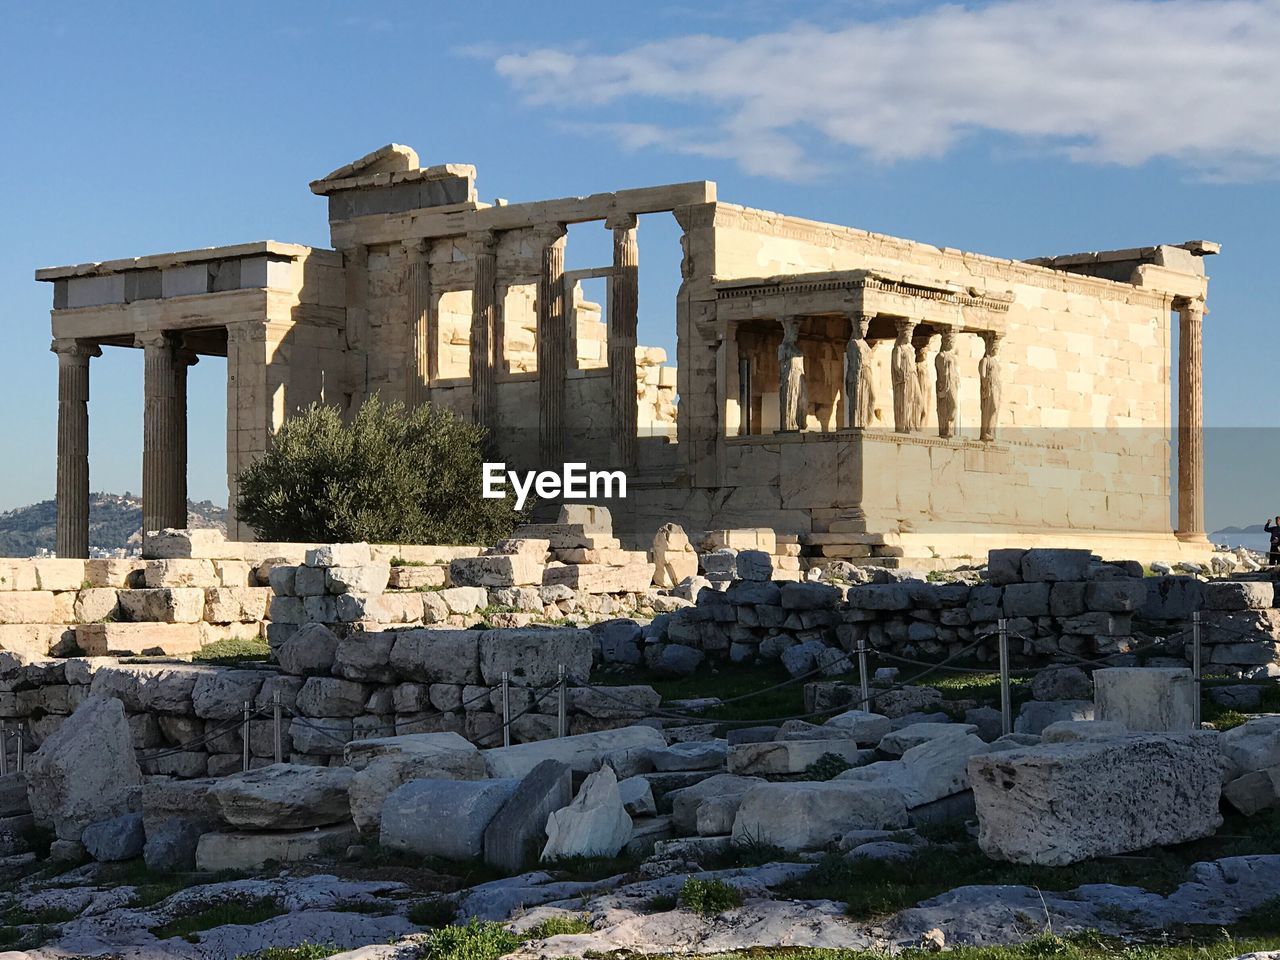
1017 129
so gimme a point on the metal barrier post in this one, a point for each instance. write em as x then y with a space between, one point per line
275 717
506 710
22 746
560 711
1006 707
863 679
1196 668
244 736
4 749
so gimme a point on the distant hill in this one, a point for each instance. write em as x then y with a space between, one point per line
1255 528
115 524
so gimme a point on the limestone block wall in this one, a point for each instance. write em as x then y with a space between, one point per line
186 720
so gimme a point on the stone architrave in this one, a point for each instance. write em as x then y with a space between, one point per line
991 387
903 369
924 387
793 399
948 384
858 380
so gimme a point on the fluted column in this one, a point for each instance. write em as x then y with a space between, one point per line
182 361
483 312
72 524
1190 420
553 339
163 423
624 303
418 297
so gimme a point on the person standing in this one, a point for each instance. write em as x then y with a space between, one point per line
1274 529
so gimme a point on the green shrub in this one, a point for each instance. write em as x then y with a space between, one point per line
478 940
432 913
245 911
233 650
389 476
709 897
303 951
562 924
827 767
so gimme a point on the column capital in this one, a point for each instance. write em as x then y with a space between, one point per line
621 220
415 247
71 350
152 338
1193 307
548 234
483 241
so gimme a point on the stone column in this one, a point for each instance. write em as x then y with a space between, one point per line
182 360
417 285
484 305
553 345
858 388
163 421
948 384
793 399
990 385
1190 420
72 524
903 369
624 304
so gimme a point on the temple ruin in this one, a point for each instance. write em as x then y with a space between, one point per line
880 398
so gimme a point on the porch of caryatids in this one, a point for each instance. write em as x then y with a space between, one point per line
71 527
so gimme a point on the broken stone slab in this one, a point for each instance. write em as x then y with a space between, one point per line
1239 594
339 555
368 579
594 824
516 831
1057 804
790 756
583 752
85 771
1035 715
808 815
1149 699
927 772
861 726
443 818
381 776
532 656
501 570
646 832
1255 791
119 838
637 796
1254 745
898 742
692 755
1065 731
686 801
359 753
1062 683
284 796
253 851
172 841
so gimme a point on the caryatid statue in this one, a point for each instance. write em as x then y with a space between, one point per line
793 397
903 370
924 387
858 381
989 379
947 366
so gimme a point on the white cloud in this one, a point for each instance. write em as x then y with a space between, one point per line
1102 81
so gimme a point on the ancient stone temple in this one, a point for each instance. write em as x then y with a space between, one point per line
873 395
